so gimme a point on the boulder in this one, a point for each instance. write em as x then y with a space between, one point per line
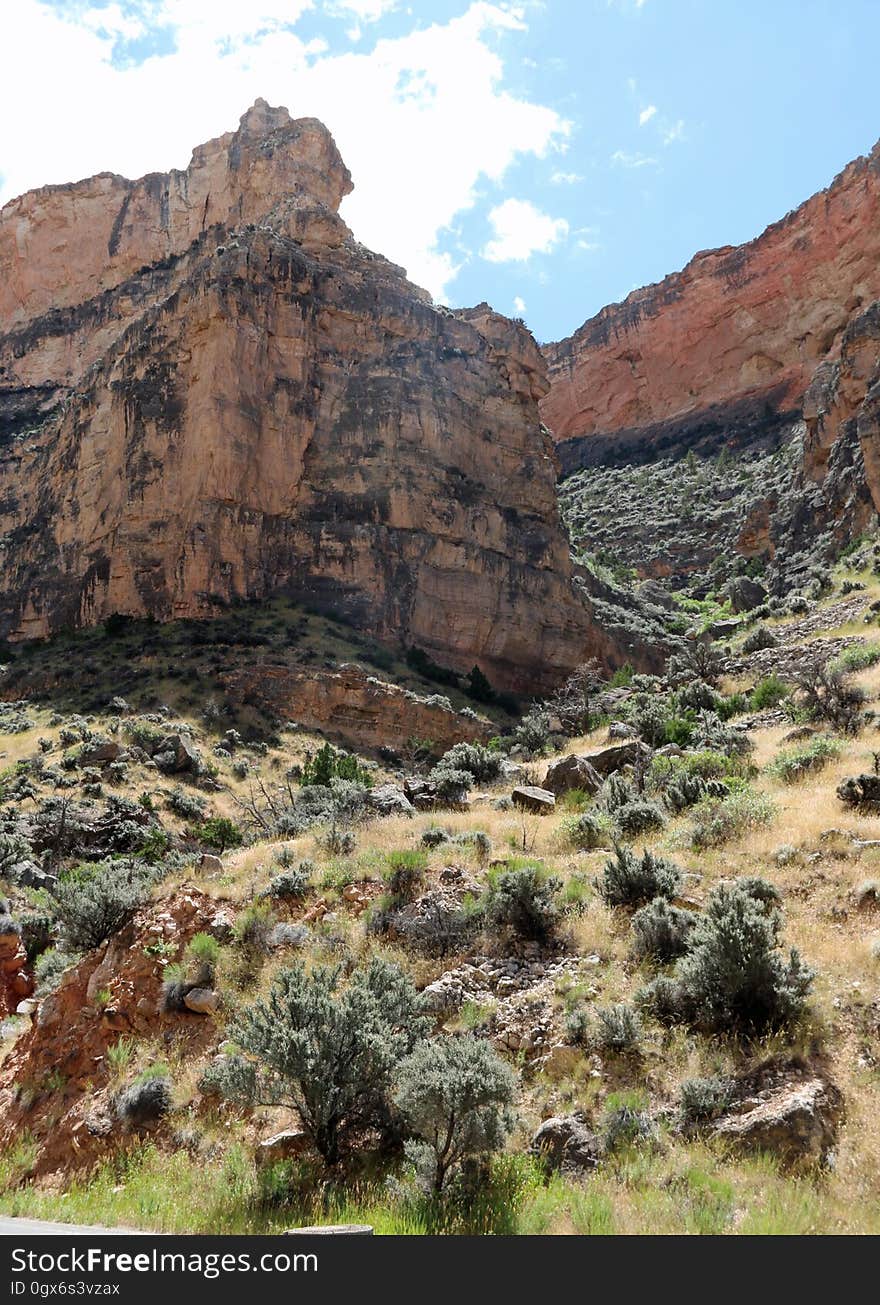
745 594
608 760
201 1001
618 729
176 754
210 864
572 772
795 1122
531 798
282 1146
860 791
101 753
390 800
567 1142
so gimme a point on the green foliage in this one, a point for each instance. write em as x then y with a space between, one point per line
634 819
293 881
524 902
768 692
454 1095
587 831
631 880
481 763
662 932
405 873
327 1050
328 763
49 969
758 639
618 1028
857 658
733 978
219 832
98 900
703 1099
478 687
718 820
621 677
145 1101
793 764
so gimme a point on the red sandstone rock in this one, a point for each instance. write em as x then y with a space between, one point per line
209 391
738 323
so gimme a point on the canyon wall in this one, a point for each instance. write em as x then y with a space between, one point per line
728 345
209 392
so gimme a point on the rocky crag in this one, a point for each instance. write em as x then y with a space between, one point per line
209 392
768 353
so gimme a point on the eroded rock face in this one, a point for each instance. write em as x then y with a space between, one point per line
209 391
731 339
353 707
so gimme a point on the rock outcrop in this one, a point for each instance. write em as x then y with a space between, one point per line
209 391
728 346
354 708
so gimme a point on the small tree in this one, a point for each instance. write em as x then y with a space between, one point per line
478 687
219 832
454 1094
631 880
826 695
326 1050
572 701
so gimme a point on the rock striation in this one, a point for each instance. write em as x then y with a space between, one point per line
728 344
210 392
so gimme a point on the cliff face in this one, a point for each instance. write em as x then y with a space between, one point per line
210 391
729 342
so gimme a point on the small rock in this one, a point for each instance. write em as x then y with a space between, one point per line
201 1001
283 1146
567 1142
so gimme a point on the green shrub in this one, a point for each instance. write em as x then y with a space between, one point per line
626 1123
577 1026
631 880
50 968
252 929
619 1028
733 978
758 639
220 833
857 658
718 820
703 1099
661 931
524 902
98 900
328 763
482 763
637 818
327 1050
454 1095
292 882
405 873
768 692
587 831
793 764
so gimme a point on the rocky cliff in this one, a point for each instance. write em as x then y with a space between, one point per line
209 391
727 347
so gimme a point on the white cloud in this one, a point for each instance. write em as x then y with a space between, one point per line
519 305
647 114
565 178
420 120
520 230
365 11
626 160
585 239
674 133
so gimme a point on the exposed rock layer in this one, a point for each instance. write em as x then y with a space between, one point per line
209 392
736 334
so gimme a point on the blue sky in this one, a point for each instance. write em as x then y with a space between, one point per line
548 157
